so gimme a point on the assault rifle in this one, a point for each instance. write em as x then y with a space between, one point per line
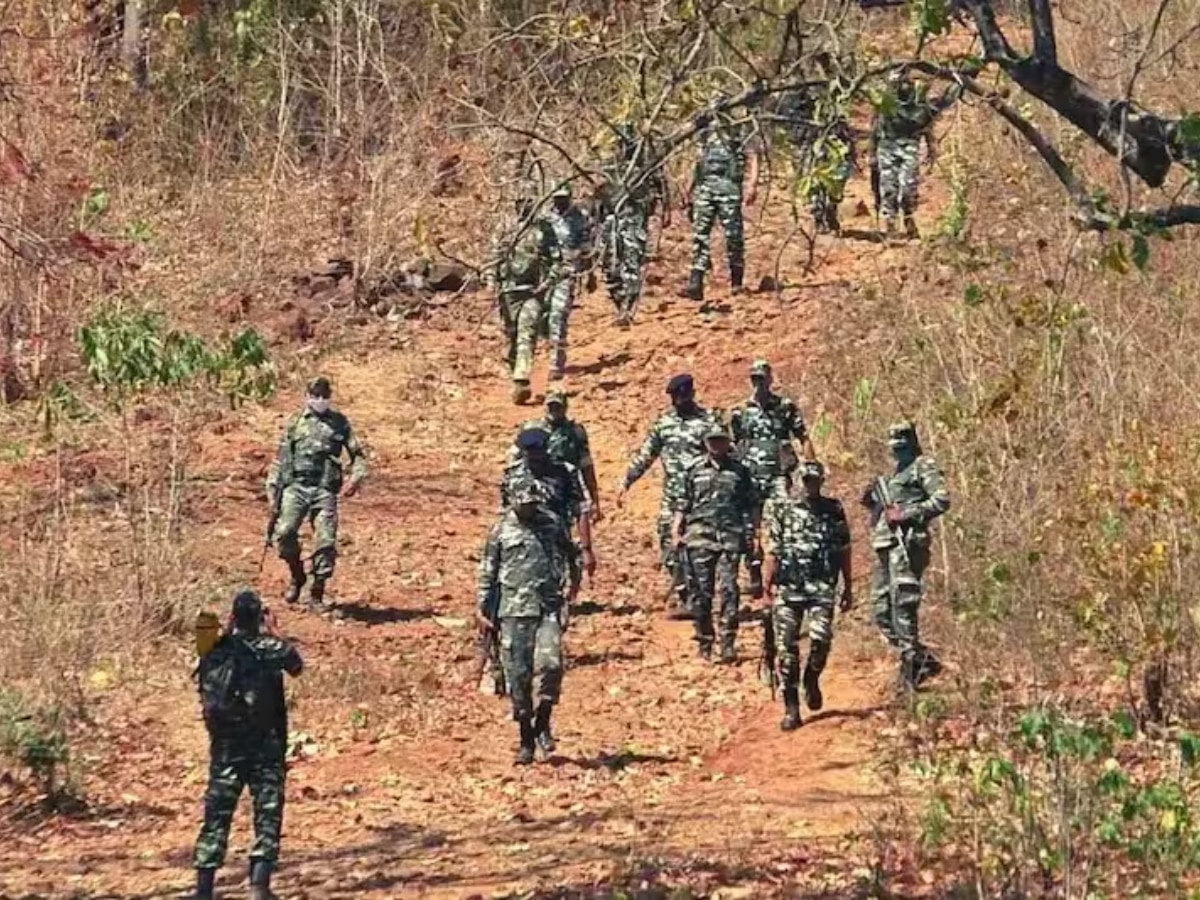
767 671
487 646
283 475
684 576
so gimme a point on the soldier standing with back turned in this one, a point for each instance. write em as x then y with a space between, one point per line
305 482
574 234
903 505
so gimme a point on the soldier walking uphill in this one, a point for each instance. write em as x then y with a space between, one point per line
241 689
763 428
726 162
523 568
677 436
903 504
567 442
528 264
825 153
716 521
633 189
809 548
305 482
573 232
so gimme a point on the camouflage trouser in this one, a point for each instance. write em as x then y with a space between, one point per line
789 614
233 766
768 490
625 239
668 558
896 596
562 300
898 176
320 507
712 571
717 199
529 646
522 315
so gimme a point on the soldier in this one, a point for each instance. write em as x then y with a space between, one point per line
903 505
241 690
305 482
567 497
678 437
825 152
574 234
763 429
567 442
716 521
524 561
727 161
810 548
904 116
528 263
634 189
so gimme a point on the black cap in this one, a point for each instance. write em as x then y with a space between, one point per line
247 607
532 439
680 382
320 387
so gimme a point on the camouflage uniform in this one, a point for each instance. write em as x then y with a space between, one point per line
633 190
717 195
762 434
566 442
309 468
904 117
566 502
573 233
679 441
718 505
825 156
902 552
529 263
253 759
809 537
525 562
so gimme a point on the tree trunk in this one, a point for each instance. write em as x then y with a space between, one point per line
133 45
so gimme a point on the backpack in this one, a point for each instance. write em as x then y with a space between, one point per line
233 692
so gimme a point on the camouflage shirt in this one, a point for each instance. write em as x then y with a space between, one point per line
568 497
525 260
920 491
524 564
809 538
679 440
723 153
567 441
574 234
718 505
311 449
763 436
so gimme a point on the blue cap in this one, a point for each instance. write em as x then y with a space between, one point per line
247 606
680 382
532 439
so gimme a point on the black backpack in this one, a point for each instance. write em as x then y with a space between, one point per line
233 691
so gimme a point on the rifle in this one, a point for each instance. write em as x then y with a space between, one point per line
281 478
684 576
767 661
488 644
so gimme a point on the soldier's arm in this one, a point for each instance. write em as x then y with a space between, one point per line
774 541
489 572
735 425
645 457
358 458
751 509
280 655
937 496
281 465
799 429
587 467
681 506
841 537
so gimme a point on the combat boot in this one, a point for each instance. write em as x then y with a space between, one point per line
907 677
930 667
737 275
791 709
695 288
812 689
541 726
756 578
910 228
260 880
889 228
316 595
728 651
706 651
525 752
521 393
206 880
296 568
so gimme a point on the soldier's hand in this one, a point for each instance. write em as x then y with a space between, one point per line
269 626
589 564
621 497
751 195
597 515
591 283
351 489
564 616
894 515
847 603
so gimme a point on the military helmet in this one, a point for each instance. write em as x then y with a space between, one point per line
558 395
812 469
716 431
760 367
902 434
320 387
563 190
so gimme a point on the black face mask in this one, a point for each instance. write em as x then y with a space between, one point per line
562 204
683 403
538 462
526 512
904 454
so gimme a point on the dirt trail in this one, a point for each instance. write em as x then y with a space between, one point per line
407 789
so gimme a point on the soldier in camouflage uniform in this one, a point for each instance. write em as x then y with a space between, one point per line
524 560
809 548
567 442
905 115
825 153
574 234
727 161
305 482
716 521
763 429
528 264
633 190
251 756
677 436
903 505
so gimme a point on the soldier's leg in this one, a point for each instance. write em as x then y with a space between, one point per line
225 781
820 640
727 584
908 182
633 264
518 637
293 510
704 216
704 580
548 664
734 226
562 300
612 262
788 618
527 325
667 556
510 308
325 528
882 603
754 561
889 181
266 780
909 587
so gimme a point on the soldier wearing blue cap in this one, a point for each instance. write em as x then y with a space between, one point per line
677 437
809 541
